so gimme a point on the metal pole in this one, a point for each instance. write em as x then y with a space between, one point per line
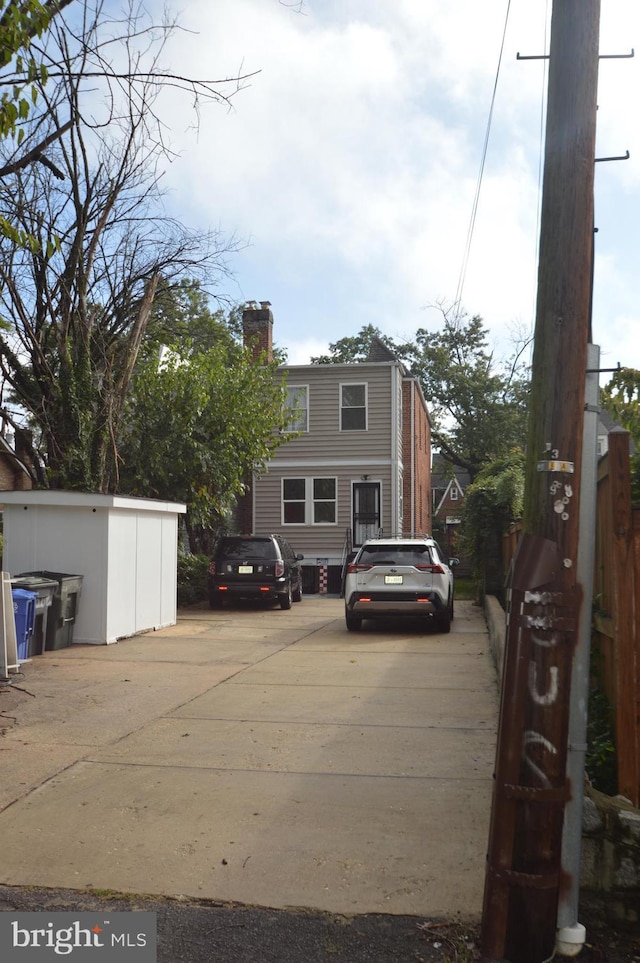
571 934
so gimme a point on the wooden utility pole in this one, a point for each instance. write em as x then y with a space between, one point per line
524 856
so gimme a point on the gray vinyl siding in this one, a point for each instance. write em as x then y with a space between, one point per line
315 540
326 451
324 438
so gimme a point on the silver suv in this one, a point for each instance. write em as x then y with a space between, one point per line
399 576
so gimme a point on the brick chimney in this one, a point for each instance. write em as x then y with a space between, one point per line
257 328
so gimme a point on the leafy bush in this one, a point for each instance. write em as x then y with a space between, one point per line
601 760
192 578
635 480
492 502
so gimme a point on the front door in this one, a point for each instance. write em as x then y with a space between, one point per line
366 511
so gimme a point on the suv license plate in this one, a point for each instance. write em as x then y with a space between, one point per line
393 580
245 569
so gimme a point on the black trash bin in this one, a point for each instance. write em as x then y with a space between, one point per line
64 607
45 589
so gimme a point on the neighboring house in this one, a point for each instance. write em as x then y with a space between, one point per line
359 464
14 474
449 484
606 425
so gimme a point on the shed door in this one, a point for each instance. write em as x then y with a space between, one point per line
366 511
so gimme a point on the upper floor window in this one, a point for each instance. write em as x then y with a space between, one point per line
353 407
453 494
298 407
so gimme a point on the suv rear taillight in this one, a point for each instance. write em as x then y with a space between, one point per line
279 569
212 568
434 569
352 568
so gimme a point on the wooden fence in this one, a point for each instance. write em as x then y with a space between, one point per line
616 605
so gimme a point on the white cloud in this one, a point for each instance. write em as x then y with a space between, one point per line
351 159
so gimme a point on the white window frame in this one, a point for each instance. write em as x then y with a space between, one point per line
309 500
296 412
354 384
292 501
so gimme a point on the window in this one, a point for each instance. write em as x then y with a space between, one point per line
309 501
298 407
353 407
324 501
453 494
293 501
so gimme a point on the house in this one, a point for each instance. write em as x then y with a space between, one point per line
607 424
14 471
448 484
358 461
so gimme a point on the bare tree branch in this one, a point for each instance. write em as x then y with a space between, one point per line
35 154
78 308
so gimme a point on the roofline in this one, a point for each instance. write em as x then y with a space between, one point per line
346 364
8 450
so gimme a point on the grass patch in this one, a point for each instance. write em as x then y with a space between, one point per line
465 589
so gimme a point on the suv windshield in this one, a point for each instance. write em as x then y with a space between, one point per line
246 547
395 555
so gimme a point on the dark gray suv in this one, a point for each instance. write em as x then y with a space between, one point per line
254 567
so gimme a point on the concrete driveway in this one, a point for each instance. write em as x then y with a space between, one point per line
261 757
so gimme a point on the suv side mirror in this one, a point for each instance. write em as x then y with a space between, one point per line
299 558
453 562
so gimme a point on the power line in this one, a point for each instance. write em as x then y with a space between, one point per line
474 211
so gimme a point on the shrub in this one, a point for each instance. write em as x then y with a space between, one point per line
601 759
192 578
492 502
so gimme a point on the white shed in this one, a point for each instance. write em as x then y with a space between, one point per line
124 548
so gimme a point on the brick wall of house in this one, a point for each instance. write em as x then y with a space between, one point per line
12 478
416 451
6 475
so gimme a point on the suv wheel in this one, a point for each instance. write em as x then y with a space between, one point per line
286 599
215 602
296 595
443 621
354 622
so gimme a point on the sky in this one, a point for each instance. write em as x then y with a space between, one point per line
348 166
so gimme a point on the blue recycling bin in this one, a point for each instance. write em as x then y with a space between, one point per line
24 610
45 590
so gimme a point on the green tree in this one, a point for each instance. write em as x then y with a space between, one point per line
21 22
78 309
621 398
351 350
197 424
182 315
478 404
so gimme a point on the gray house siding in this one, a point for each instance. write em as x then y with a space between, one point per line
324 437
372 455
319 540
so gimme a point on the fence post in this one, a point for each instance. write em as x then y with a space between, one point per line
626 660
